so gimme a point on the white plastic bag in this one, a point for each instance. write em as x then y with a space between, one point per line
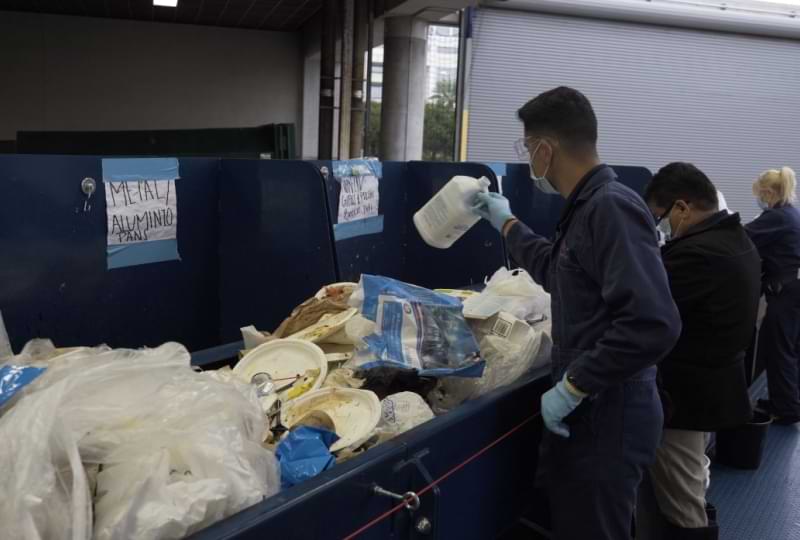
511 291
401 412
178 449
358 328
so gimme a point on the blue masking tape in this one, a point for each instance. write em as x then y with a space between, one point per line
142 253
357 167
120 170
359 227
499 169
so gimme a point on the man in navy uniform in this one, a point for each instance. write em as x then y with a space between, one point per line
613 319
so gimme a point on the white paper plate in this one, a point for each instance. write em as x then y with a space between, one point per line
282 360
326 327
323 292
355 413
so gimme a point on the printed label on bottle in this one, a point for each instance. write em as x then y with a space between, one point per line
437 213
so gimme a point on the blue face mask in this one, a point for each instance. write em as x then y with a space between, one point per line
541 182
762 204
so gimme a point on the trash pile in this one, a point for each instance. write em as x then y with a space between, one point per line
103 443
360 363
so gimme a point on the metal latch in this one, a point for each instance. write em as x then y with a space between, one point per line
410 499
88 187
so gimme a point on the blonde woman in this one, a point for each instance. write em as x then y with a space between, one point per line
776 234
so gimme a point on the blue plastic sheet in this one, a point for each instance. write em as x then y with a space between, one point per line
15 378
304 453
417 329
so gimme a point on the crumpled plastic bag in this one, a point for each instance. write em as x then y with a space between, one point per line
304 453
415 329
512 291
402 412
178 450
506 363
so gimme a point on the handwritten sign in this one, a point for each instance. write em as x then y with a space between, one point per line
141 210
358 198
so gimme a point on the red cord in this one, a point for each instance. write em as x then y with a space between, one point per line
443 477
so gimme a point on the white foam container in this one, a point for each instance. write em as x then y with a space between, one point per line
355 413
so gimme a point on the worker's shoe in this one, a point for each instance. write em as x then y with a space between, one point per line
777 417
711 512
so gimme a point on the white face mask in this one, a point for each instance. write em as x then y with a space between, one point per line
541 182
762 204
665 227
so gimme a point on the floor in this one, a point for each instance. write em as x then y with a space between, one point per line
752 505
762 504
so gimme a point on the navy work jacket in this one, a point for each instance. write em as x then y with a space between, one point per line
776 234
613 314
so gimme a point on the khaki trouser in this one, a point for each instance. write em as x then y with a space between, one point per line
676 486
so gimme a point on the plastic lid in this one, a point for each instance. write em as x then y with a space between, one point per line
355 413
284 360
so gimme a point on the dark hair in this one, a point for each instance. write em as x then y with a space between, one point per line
563 113
682 181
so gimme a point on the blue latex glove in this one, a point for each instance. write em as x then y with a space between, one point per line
557 403
494 208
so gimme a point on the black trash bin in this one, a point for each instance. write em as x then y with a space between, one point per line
741 447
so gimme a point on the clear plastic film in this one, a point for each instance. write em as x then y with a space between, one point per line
161 450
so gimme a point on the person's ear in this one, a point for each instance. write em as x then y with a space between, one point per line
546 152
682 207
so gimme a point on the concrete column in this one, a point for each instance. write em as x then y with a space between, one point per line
403 108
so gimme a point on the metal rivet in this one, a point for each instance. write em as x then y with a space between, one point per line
88 186
424 526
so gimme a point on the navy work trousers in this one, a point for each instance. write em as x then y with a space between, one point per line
779 349
593 476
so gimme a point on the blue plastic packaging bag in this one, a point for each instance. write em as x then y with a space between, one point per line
417 329
15 378
304 453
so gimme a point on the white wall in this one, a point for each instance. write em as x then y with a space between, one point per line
729 103
312 67
76 73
